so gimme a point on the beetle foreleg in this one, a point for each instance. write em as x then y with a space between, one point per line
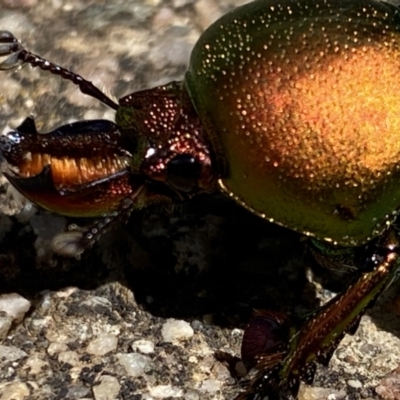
75 241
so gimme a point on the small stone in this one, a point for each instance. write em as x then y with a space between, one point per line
191 395
181 3
96 301
354 383
143 346
240 369
108 388
11 353
176 330
5 324
14 305
14 391
68 357
36 364
319 393
135 364
78 392
389 387
221 372
56 347
210 386
164 391
102 344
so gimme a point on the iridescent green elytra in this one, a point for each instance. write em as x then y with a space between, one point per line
302 98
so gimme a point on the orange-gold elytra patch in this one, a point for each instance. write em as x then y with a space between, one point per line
68 172
344 118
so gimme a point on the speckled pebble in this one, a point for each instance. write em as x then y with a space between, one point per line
164 391
96 301
210 386
356 384
143 346
14 391
68 357
107 389
191 395
135 364
389 387
14 305
78 392
174 331
5 324
319 393
36 364
56 347
11 353
102 344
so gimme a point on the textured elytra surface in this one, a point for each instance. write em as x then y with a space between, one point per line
311 137
136 278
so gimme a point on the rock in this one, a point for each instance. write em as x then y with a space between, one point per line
144 346
108 388
102 344
14 305
135 364
174 331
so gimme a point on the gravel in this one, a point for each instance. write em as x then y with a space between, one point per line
143 314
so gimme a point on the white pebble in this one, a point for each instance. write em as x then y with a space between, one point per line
102 345
5 325
11 353
354 383
175 330
164 391
143 346
108 388
14 305
135 364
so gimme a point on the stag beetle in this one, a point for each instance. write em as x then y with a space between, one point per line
289 108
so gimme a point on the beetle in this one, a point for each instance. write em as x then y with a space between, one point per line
275 112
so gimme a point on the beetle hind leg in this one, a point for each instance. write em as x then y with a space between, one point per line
315 338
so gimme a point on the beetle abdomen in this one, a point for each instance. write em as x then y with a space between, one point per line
303 98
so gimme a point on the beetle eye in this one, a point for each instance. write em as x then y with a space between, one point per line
183 172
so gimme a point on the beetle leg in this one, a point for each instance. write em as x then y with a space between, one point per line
77 239
19 56
278 374
266 333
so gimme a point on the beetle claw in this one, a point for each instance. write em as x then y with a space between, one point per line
77 239
68 244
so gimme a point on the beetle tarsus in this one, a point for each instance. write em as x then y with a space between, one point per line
77 240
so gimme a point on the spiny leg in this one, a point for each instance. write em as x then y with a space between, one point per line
278 374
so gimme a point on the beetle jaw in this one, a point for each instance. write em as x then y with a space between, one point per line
77 170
